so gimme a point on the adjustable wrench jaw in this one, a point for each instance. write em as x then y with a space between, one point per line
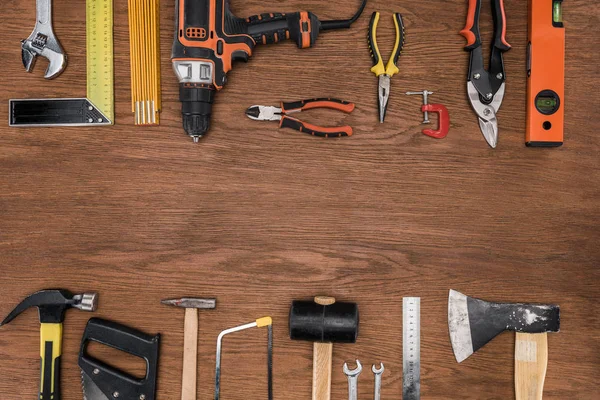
43 42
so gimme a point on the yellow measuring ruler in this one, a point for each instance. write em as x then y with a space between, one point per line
100 56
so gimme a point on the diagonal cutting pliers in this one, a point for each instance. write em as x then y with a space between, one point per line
486 87
281 114
385 73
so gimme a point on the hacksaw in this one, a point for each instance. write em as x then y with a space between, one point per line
98 107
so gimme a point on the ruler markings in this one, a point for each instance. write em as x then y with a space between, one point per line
411 348
100 55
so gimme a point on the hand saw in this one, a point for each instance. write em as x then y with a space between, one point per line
103 382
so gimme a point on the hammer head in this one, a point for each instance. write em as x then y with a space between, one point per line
336 322
53 303
191 302
474 322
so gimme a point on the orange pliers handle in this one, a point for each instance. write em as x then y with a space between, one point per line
320 131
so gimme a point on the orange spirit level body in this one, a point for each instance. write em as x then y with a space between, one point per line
546 74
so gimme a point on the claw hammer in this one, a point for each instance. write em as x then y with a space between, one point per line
52 305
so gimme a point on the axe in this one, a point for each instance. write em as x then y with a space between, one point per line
474 322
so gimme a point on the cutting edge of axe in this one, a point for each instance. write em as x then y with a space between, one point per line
474 322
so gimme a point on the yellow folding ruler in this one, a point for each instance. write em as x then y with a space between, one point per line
98 107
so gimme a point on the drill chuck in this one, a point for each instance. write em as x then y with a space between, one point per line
196 108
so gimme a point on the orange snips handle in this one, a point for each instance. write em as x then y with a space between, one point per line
471 29
320 131
323 102
500 26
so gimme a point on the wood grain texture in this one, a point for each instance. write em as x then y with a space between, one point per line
258 216
531 363
190 355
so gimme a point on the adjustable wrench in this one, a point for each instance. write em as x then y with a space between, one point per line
43 42
353 380
377 373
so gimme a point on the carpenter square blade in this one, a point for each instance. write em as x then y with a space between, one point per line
55 112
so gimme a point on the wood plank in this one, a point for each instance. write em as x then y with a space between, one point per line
258 216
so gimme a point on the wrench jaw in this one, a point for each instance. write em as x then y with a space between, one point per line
353 372
378 371
47 46
27 56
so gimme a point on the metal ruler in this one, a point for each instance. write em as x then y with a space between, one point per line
411 348
100 56
98 107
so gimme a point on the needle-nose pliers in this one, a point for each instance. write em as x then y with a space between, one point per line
385 73
486 87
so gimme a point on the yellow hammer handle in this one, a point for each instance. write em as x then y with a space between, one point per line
50 352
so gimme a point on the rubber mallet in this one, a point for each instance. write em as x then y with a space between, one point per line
324 322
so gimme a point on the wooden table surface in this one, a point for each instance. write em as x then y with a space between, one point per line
258 216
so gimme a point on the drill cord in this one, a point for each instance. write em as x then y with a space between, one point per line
343 23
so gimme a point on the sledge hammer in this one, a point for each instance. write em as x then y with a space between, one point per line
474 322
323 321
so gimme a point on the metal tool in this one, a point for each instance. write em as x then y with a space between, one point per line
385 73
442 112
545 75
259 323
485 88
97 108
190 341
425 94
209 38
352 375
411 348
281 114
377 372
52 305
99 380
473 323
43 42
323 321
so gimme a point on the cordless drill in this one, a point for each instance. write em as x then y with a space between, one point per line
208 38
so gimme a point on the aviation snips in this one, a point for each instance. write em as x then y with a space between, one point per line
486 87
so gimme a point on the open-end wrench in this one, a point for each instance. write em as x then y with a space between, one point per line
353 380
43 42
377 372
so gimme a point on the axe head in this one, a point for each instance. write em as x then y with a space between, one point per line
474 322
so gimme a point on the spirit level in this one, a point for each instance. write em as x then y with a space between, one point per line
545 74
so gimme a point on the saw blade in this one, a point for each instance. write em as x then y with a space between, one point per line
90 390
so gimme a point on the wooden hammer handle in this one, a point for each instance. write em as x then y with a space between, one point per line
531 361
190 352
322 355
